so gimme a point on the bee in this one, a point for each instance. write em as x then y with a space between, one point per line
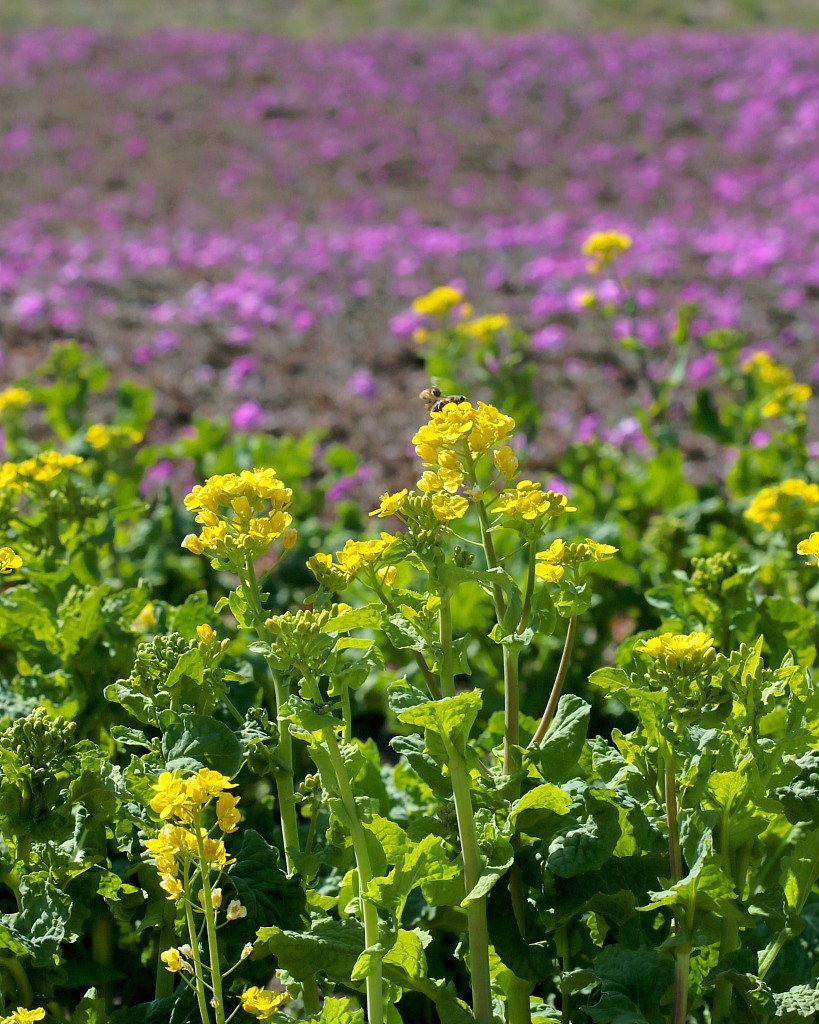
435 400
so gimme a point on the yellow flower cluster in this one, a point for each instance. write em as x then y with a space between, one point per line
101 436
9 560
23 1016
353 557
809 547
437 302
551 564
391 504
40 469
14 398
787 395
183 798
175 845
484 328
174 961
242 514
459 432
506 462
783 504
604 247
262 1003
684 653
527 501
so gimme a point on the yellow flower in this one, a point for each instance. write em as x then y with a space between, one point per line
420 335
226 813
216 897
604 247
358 553
172 798
9 560
767 370
444 480
787 399
215 853
41 469
506 462
206 633
391 504
14 398
437 302
459 426
23 1016
677 648
552 563
146 618
262 1003
172 886
809 547
388 575
289 538
485 327
783 504
449 506
174 961
527 501
213 782
101 436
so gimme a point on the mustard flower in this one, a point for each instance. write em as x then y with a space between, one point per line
437 302
484 328
23 1016
783 504
262 1003
100 436
391 504
235 910
527 501
809 547
683 653
551 564
14 398
9 560
247 949
174 961
449 506
506 462
604 248
226 812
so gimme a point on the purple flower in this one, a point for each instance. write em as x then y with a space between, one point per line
553 336
702 368
240 369
759 438
346 484
249 416
155 476
362 383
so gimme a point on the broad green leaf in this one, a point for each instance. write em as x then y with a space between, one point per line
191 742
528 812
331 946
270 896
633 984
370 616
588 845
560 749
451 717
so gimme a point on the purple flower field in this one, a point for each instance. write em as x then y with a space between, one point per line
243 220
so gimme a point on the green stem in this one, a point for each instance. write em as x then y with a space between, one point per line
477 927
530 587
24 990
193 939
511 705
373 982
683 954
562 941
420 660
210 928
557 686
729 938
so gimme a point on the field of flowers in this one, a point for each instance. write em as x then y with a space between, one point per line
324 702
220 212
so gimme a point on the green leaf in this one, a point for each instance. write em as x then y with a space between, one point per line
369 616
337 1010
304 714
633 983
192 742
270 896
451 717
42 923
588 845
538 804
91 1009
333 947
560 749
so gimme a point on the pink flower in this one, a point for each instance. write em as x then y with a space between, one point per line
362 383
249 416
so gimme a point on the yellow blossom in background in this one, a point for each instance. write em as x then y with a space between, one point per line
41 469
146 618
9 560
604 247
262 1003
420 335
174 961
809 547
23 1016
14 398
437 302
783 504
359 553
527 501
485 327
101 436
391 504
449 506
289 538
767 370
506 462
788 399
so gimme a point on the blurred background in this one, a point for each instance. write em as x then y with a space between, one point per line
237 202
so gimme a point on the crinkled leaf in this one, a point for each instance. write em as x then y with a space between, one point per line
191 742
559 751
